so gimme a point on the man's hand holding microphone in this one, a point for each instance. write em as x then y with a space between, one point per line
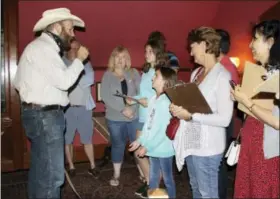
82 53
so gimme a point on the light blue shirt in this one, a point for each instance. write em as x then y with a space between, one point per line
153 136
81 93
145 91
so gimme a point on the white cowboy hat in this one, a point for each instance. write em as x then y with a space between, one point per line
55 15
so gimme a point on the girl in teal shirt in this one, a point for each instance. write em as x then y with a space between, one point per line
153 49
153 141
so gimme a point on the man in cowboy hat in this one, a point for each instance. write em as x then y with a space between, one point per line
42 80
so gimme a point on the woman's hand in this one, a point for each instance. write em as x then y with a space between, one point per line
129 101
180 112
143 102
134 145
128 112
240 97
141 152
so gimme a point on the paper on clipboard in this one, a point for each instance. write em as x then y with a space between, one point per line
251 78
180 96
271 85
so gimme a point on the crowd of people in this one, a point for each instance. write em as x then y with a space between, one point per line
54 80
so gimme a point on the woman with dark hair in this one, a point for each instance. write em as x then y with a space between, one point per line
258 167
153 55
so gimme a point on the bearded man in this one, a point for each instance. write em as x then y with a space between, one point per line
42 80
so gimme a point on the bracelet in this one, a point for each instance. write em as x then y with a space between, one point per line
250 108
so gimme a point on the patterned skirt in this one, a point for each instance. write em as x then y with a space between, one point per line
256 177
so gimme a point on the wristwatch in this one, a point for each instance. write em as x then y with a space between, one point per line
190 118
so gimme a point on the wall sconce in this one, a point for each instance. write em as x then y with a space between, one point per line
235 61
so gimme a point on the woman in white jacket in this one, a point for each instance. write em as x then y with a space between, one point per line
201 138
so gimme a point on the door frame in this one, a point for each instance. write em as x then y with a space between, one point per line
13 134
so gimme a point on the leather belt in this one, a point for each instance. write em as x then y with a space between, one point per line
42 108
76 105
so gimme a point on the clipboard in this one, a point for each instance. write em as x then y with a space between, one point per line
252 77
271 85
118 94
189 97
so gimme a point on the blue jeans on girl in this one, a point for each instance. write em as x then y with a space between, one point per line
164 165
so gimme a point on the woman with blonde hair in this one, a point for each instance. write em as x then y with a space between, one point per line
121 118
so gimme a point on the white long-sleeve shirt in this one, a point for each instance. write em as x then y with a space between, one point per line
205 135
42 77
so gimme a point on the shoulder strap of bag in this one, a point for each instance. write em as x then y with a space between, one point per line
239 133
197 73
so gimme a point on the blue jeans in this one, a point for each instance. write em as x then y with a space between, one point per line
203 174
45 131
119 131
164 165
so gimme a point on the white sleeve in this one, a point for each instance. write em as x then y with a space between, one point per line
54 69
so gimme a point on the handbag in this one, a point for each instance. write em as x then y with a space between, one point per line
233 151
232 154
172 128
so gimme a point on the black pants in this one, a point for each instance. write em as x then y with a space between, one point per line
223 171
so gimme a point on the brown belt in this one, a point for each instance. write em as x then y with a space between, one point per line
76 105
42 108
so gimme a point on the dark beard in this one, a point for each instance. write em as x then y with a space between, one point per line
65 38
